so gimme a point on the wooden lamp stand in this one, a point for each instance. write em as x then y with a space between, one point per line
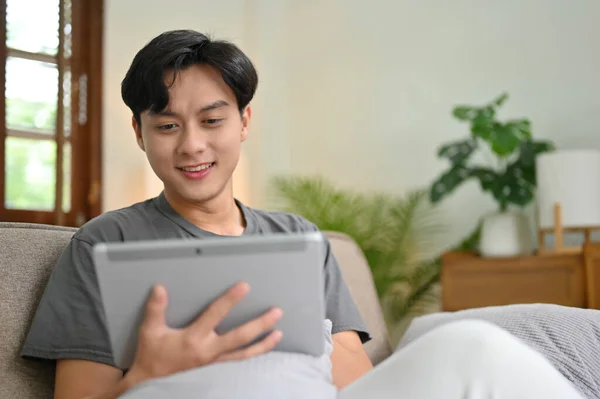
558 230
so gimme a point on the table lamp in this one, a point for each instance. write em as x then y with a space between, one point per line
568 196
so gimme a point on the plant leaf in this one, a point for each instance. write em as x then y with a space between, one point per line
463 113
500 100
448 181
483 124
505 140
487 177
512 188
531 149
415 293
459 151
528 152
520 128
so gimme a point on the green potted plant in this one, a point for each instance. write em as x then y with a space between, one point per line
510 178
398 235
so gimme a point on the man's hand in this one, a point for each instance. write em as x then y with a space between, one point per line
163 351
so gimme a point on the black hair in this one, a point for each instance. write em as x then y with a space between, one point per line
144 88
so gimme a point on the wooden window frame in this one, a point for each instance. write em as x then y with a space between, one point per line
85 138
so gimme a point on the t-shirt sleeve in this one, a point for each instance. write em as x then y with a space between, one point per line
69 321
340 306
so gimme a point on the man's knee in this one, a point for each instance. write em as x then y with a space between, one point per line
470 330
477 340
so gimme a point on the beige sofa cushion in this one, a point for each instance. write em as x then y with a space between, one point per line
28 253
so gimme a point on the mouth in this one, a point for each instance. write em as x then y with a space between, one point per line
197 168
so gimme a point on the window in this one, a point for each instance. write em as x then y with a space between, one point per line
50 142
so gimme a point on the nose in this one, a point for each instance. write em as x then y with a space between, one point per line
192 141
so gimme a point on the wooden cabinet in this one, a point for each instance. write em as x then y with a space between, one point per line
470 281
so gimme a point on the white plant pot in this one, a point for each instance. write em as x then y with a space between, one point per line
505 234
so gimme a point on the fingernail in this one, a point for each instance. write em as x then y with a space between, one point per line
158 292
244 287
277 313
277 335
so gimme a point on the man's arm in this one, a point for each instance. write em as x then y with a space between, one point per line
349 359
77 379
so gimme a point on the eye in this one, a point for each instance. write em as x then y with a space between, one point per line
213 121
167 127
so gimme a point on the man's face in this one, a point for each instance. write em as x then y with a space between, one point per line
194 144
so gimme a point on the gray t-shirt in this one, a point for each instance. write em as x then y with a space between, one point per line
69 322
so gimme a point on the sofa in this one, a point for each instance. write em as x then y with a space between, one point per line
28 252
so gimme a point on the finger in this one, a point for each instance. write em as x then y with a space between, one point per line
249 331
263 346
216 311
155 308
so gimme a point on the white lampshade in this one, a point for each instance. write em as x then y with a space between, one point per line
570 178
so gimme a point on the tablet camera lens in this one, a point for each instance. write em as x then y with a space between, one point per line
198 251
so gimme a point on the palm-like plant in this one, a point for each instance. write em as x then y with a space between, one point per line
396 235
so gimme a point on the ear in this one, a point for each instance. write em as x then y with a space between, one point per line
246 116
137 128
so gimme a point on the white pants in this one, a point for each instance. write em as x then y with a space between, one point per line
463 360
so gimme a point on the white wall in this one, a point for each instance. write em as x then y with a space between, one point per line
361 91
374 82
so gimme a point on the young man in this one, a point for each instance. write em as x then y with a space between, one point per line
190 102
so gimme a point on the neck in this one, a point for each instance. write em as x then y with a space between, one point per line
219 215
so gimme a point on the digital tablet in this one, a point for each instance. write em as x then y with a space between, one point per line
284 270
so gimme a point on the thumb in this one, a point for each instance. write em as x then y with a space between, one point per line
155 308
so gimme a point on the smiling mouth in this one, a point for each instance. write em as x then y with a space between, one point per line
197 168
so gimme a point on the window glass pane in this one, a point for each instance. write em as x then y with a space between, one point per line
67 29
30 174
66 200
31 95
67 103
32 25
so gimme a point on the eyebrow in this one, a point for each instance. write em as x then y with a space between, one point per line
208 107
214 105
